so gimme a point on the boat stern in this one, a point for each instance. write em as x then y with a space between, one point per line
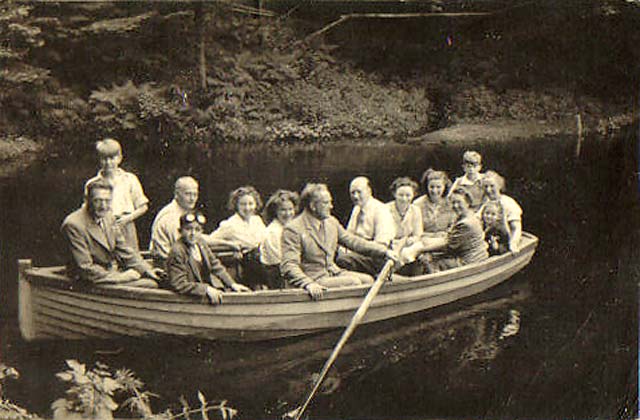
25 306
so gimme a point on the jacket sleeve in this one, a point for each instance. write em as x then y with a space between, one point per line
291 265
130 257
179 279
218 269
88 270
355 243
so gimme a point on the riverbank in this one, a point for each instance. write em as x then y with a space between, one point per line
216 75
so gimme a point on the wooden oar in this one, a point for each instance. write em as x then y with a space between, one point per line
357 317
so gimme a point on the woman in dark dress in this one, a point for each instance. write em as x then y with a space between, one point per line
463 244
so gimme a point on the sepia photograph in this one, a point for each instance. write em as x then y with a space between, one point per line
319 209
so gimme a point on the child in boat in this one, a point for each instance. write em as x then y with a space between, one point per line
495 230
281 207
129 201
493 185
471 181
192 268
245 231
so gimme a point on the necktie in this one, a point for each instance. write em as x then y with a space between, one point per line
322 231
360 221
195 253
102 225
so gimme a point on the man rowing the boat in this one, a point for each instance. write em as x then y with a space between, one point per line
310 241
99 251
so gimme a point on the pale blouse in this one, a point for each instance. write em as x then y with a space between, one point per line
127 192
407 225
235 229
271 246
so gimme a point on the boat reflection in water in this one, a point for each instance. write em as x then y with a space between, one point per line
269 378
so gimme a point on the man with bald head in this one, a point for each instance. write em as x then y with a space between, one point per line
166 225
310 242
371 220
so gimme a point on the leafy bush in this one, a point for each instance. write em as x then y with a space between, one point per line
137 111
91 396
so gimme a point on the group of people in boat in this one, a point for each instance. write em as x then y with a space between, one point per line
301 245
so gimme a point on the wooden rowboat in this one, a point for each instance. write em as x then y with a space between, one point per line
53 307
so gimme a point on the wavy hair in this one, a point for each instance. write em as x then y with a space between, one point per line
238 193
276 200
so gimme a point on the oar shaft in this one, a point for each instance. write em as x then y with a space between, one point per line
355 320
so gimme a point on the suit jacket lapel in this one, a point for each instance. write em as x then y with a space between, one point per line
98 234
193 265
313 232
206 264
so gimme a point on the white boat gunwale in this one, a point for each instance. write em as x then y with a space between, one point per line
48 298
53 277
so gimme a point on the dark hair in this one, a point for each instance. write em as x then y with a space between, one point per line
465 194
238 193
403 182
432 175
97 184
276 200
309 192
192 216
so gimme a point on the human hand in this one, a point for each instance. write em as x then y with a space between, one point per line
214 295
155 274
237 287
123 219
392 255
315 290
125 276
409 254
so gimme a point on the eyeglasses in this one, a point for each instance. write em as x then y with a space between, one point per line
195 217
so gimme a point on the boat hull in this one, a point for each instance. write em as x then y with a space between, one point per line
52 307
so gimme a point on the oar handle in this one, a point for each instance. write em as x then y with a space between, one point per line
355 320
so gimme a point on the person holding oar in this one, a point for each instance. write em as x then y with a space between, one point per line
310 242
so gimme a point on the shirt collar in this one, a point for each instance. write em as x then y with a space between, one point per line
313 221
117 173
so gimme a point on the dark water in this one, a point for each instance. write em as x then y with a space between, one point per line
573 355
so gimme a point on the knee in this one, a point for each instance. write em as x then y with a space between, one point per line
364 279
147 283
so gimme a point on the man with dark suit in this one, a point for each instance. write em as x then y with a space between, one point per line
99 252
192 268
310 241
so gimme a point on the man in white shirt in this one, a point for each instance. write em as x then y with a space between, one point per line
165 230
370 220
